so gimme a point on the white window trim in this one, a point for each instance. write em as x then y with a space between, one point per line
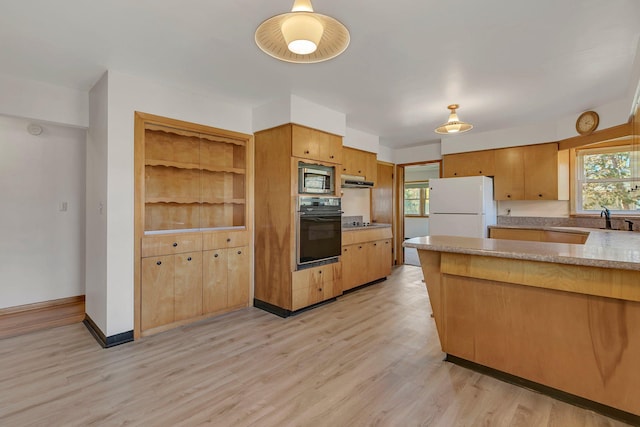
580 179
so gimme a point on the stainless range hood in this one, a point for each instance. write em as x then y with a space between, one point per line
352 181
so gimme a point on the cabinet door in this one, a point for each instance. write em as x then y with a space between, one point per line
508 183
354 266
476 163
238 277
157 291
330 148
214 280
306 288
188 285
541 172
371 166
383 258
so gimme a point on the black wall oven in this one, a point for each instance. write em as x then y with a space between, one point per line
319 230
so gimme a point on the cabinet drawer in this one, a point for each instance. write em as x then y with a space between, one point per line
171 244
367 235
225 239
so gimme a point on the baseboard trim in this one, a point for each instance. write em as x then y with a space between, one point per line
563 396
104 341
27 318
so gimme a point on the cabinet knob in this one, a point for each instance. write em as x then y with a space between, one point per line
539 195
320 272
239 252
215 255
359 171
359 247
306 151
479 172
320 289
345 249
175 244
331 157
455 173
508 195
159 262
375 244
189 259
228 239
344 169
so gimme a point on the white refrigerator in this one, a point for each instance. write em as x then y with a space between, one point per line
461 206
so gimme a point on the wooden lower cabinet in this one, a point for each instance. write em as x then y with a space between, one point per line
171 288
365 262
314 285
534 235
225 279
177 288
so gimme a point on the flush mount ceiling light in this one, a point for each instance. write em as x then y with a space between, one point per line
302 36
453 125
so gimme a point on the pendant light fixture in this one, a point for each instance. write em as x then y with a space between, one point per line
454 125
302 36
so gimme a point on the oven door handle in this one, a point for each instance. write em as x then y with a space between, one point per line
312 214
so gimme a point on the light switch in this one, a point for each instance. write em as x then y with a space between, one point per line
63 206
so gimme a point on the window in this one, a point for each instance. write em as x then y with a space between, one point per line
416 198
607 177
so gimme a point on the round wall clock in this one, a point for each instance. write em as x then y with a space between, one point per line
587 122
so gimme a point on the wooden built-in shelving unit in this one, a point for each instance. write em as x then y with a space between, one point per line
192 217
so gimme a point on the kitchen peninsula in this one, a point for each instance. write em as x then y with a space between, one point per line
558 317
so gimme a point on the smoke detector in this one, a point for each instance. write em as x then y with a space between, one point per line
34 129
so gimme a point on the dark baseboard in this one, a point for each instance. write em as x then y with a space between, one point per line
284 313
104 341
364 286
563 396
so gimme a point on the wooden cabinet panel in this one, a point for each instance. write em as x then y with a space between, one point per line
509 174
157 291
359 163
313 144
354 265
541 172
226 279
527 173
314 285
476 163
238 277
225 239
188 286
538 235
382 195
214 280
366 261
171 244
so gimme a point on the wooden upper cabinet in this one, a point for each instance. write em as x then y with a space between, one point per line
508 183
541 172
527 173
475 163
359 163
313 144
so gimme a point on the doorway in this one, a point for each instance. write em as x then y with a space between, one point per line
413 204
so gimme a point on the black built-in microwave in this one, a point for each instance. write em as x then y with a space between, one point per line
315 179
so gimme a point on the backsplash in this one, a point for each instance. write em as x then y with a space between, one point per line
587 222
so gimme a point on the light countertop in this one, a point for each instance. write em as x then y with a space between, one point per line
603 248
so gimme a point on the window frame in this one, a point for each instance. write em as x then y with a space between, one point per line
423 197
579 176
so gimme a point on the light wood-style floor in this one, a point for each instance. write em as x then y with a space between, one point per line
371 358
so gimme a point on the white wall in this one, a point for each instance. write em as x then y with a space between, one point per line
96 206
361 140
42 246
293 109
44 102
357 202
126 94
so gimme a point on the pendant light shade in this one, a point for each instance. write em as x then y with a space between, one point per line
453 125
302 36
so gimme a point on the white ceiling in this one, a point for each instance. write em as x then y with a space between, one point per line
504 61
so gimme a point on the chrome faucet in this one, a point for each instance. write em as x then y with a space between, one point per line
607 216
